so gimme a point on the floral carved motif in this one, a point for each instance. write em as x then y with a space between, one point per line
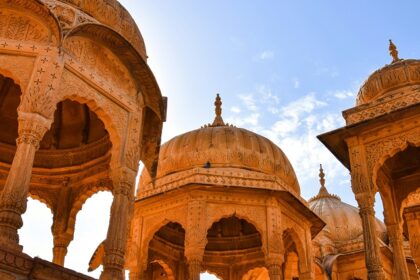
21 27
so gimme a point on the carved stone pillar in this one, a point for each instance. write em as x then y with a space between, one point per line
275 271
13 198
195 238
61 244
362 188
122 205
62 236
412 218
194 269
400 263
372 252
275 248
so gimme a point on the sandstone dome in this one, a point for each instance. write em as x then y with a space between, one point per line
343 223
227 148
402 75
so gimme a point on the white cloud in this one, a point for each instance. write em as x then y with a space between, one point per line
343 94
296 83
235 109
249 101
247 120
265 55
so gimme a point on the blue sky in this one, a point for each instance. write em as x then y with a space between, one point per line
284 69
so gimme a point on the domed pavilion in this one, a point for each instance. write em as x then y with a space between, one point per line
225 200
380 145
79 108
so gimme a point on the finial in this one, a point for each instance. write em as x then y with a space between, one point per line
393 51
218 121
321 176
323 190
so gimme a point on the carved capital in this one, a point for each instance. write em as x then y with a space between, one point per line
366 203
124 179
32 128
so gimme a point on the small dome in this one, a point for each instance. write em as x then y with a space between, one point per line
222 146
343 223
399 75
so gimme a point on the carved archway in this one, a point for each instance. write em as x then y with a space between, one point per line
253 216
293 243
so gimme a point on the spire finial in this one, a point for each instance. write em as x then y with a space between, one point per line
393 51
218 121
321 176
323 190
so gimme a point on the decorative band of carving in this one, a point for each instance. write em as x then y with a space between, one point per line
219 177
390 102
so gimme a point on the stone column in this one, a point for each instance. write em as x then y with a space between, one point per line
195 238
62 235
115 244
13 198
275 247
400 263
275 271
412 218
61 244
372 251
194 269
362 188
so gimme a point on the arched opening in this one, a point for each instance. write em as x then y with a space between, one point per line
209 276
37 222
397 179
166 253
233 245
295 262
90 230
10 94
259 273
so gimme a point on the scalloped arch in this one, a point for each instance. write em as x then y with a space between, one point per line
239 212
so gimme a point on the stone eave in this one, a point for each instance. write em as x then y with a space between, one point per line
335 140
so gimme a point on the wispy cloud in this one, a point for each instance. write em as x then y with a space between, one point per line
296 83
343 94
235 109
265 55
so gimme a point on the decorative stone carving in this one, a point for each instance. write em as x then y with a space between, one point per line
99 59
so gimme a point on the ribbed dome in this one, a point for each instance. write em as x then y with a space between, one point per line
222 146
400 75
342 220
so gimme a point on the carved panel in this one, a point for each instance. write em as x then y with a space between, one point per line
102 61
19 27
378 151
